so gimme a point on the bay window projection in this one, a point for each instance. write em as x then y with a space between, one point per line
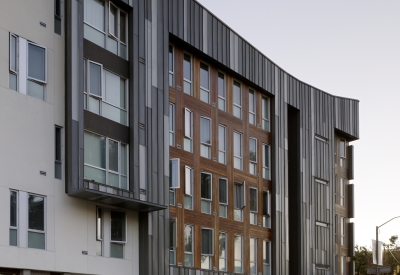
221 92
207 251
174 179
223 251
188 245
187 74
206 192
106 160
188 199
204 83
13 218
171 124
267 209
105 93
266 162
237 100
252 108
188 139
223 197
238 254
266 257
253 206
222 144
237 150
118 234
36 228
239 200
171 66
172 241
265 113
107 26
205 137
253 156
253 256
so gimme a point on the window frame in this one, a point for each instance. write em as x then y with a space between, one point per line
238 157
222 151
202 143
265 109
239 202
29 78
204 89
11 70
58 17
343 231
208 257
267 209
342 141
177 173
255 255
189 81
188 192
171 73
225 259
192 244
241 252
171 124
221 98
342 192
16 227
44 220
207 201
58 161
188 133
124 242
266 167
253 212
224 205
253 163
252 113
266 258
237 105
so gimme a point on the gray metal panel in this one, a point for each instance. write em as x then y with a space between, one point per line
350 200
350 162
351 239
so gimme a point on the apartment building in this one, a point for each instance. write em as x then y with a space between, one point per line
153 139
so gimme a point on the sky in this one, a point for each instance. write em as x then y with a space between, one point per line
349 49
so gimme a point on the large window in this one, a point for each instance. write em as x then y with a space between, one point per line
223 197
188 139
237 99
266 257
222 144
105 93
204 83
36 228
174 179
206 192
266 162
171 65
253 205
106 160
58 152
223 251
13 218
188 200
205 137
118 234
238 253
252 108
267 209
239 200
171 124
265 113
187 74
253 256
221 92
57 17
188 245
237 150
207 245
342 148
172 241
107 26
253 156
342 190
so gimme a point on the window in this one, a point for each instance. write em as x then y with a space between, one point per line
206 193
172 242
344 269
238 240
342 195
99 231
36 230
187 74
343 230
58 152
222 144
204 83
237 150
105 93
188 200
267 209
205 137
239 200
336 225
237 99
36 70
118 234
171 65
187 143
207 251
57 16
265 113
221 92
13 218
253 256
266 161
95 21
13 75
253 155
106 160
266 257
223 197
171 124
342 147
252 108
223 250
253 206
188 244
174 179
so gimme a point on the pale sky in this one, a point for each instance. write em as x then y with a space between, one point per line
349 49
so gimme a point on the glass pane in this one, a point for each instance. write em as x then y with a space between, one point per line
57 7
266 270
171 257
95 79
221 157
13 53
95 150
114 93
206 241
112 45
113 20
124 157
205 262
171 59
221 138
264 108
222 245
204 96
237 163
118 225
172 196
189 260
187 87
99 248
252 119
13 208
251 101
12 82
95 174
57 26
122 51
122 91
237 95
252 251
204 76
187 236
237 111
124 183
188 202
205 136
342 149
116 250
238 247
113 180
266 125
238 266
36 212
58 143
188 123
187 67
187 145
253 199
114 113
94 13
253 149
171 117
113 155
35 90
13 237
57 170
93 35
36 62
222 264
223 210
188 181
205 186
221 104
206 207
36 240
237 144
223 191
221 85
122 27
94 105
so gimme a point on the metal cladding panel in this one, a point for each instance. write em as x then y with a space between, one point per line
350 202
347 116
351 239
350 159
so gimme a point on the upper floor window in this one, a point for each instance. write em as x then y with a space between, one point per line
222 144
221 92
187 74
342 194
253 205
171 65
13 218
343 230
266 257
207 245
253 256
204 83
188 139
36 228
188 199
223 197
265 113
57 16
205 137
237 99
106 160
239 200
238 254
253 155
266 162
118 234
237 150
223 252
267 209
171 124
105 93
342 148
188 244
174 179
206 192
252 108
106 25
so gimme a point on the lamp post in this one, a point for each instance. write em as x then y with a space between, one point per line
376 244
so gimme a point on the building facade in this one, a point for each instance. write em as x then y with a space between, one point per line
156 140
